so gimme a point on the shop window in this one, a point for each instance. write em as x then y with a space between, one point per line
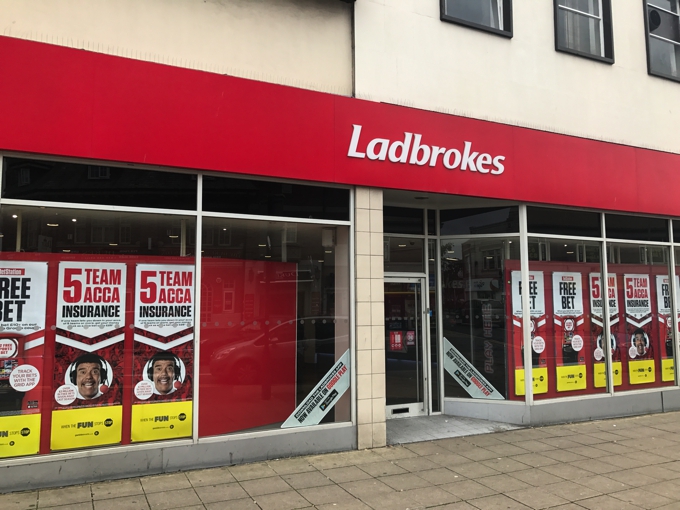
663 38
644 332
104 333
493 16
65 182
402 220
479 335
568 338
274 324
584 28
638 228
492 220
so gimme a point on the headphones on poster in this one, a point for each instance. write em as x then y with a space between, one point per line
640 331
165 356
89 358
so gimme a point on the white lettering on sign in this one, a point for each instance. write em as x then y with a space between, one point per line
411 151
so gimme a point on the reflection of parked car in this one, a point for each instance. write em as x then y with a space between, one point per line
243 353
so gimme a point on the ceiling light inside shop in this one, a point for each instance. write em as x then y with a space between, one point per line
113 244
14 216
402 246
53 224
328 251
173 237
66 251
267 256
262 245
569 252
74 220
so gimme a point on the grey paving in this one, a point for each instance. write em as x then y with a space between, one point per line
625 463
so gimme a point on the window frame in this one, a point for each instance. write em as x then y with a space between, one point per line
505 15
648 36
606 32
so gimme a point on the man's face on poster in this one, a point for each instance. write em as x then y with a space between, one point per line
163 376
640 344
88 379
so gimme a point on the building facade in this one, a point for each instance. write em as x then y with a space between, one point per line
237 230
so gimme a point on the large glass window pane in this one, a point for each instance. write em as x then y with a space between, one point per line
274 324
545 220
568 341
434 343
52 181
99 307
578 32
644 332
265 198
496 220
639 228
478 329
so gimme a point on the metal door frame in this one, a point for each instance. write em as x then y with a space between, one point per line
416 408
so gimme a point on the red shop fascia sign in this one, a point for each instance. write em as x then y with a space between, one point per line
80 104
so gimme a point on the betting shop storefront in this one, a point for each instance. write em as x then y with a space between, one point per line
179 276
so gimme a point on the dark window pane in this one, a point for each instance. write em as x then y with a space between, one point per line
401 220
96 184
404 255
243 196
676 233
542 220
431 222
479 221
636 227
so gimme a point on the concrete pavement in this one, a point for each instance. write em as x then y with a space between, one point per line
618 464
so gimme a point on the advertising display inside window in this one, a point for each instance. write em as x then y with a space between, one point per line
274 325
78 296
644 334
567 319
476 294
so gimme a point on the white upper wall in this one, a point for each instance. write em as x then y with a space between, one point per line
303 43
406 55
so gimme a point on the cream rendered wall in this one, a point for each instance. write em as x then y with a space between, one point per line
406 55
303 43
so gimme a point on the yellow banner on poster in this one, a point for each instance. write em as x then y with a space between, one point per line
19 435
571 378
600 374
539 378
667 370
85 427
162 420
641 371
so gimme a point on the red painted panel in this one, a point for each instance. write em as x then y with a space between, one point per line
61 101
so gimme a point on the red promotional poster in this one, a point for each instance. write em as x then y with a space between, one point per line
396 341
665 323
638 305
569 322
538 325
597 329
164 353
23 291
90 330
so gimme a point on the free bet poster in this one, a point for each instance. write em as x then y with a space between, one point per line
23 295
569 319
538 326
665 317
163 358
88 371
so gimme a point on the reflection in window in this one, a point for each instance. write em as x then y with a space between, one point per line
492 15
583 27
475 293
663 41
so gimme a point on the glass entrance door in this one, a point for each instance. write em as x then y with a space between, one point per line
405 369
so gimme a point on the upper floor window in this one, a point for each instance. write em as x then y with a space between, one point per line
663 38
491 15
584 28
